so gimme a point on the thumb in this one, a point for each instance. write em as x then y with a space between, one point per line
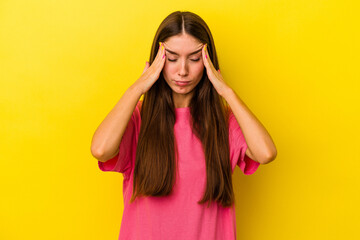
147 65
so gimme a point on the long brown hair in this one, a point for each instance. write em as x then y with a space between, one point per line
156 163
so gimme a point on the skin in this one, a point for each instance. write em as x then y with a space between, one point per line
183 68
261 148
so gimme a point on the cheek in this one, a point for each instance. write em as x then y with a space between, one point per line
166 67
198 69
170 68
199 66
167 72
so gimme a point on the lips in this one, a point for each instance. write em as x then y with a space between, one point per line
182 83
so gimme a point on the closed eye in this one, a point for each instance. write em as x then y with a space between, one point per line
194 60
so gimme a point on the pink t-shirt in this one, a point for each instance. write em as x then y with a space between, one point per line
178 216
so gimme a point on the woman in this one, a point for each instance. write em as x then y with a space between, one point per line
177 149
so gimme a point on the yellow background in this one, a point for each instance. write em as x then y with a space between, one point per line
65 64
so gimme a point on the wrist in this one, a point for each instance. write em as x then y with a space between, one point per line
136 88
226 91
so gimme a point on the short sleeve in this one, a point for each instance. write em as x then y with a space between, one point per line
238 148
123 161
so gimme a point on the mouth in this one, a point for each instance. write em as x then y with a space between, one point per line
182 83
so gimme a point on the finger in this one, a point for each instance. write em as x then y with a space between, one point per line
163 56
206 57
158 62
160 53
208 60
146 66
163 51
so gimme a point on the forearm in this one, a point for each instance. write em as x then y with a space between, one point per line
256 136
107 137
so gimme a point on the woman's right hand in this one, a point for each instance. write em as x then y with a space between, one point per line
152 73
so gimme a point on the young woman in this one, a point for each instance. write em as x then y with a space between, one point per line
177 148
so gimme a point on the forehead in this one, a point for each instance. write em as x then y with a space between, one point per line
182 45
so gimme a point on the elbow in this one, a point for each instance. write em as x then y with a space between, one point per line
269 157
103 156
97 154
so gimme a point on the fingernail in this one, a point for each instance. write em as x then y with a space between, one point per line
205 55
163 56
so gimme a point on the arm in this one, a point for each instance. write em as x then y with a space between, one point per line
107 137
261 148
260 145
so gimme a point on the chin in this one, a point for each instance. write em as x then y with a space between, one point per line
182 90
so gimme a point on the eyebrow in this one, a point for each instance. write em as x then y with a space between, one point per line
188 55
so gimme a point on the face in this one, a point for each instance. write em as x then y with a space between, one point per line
182 64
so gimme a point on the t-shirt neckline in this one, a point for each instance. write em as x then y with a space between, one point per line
182 109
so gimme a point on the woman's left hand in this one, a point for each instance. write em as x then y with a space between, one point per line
214 75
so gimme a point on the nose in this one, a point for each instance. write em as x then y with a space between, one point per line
183 69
